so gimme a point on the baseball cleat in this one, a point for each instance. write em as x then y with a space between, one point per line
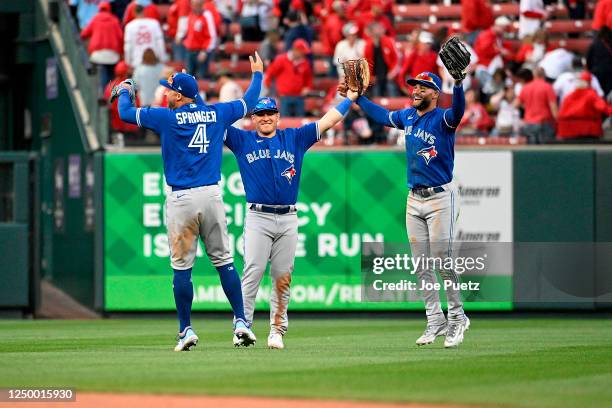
275 341
431 332
454 336
243 336
188 340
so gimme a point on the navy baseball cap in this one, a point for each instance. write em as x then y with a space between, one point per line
265 104
182 83
427 79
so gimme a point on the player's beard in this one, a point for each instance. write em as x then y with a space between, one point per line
423 104
171 105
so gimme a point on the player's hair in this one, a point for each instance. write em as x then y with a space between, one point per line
149 57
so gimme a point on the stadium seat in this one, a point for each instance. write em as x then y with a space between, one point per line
321 67
325 83
416 11
245 48
484 140
568 26
237 67
314 105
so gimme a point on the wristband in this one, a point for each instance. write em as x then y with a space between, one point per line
344 106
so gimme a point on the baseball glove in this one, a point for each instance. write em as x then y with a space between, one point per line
128 84
356 75
455 58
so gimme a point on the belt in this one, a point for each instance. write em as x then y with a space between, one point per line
427 191
175 188
272 210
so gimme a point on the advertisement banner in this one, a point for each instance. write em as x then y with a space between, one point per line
346 198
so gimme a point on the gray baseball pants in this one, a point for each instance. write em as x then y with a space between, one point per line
269 237
430 222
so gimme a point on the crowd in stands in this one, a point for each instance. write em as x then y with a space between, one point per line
541 71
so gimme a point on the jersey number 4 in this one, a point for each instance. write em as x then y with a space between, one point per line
199 139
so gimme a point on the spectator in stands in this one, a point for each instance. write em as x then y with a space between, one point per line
293 78
523 77
229 13
420 57
603 15
476 15
576 9
491 48
540 106
119 128
360 129
200 39
256 19
270 47
140 34
532 50
329 34
382 57
566 82
229 90
475 121
532 17
297 28
146 76
106 41
508 116
85 10
352 47
178 11
581 113
149 11
556 62
599 58
498 83
375 15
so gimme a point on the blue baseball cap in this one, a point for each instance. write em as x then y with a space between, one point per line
265 104
427 79
182 83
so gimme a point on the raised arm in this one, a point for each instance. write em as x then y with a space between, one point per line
336 114
453 116
252 93
127 111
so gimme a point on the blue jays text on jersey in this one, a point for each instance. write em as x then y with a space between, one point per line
271 167
430 139
191 138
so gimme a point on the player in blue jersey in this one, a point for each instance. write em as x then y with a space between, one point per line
270 162
191 134
432 206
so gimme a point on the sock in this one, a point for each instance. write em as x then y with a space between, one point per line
230 281
183 297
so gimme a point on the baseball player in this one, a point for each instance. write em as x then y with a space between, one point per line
270 162
433 203
192 141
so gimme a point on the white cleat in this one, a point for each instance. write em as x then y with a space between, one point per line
454 336
275 341
188 340
431 332
243 336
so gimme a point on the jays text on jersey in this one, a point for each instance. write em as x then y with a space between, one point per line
430 138
192 135
271 167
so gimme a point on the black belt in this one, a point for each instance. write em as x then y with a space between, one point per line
174 188
427 191
272 210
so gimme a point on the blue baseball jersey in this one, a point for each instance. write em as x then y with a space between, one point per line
271 166
191 139
430 145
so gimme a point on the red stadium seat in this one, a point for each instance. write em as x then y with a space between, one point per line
568 26
314 105
485 140
245 48
285 122
325 83
238 67
426 10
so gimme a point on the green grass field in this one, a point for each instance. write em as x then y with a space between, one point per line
503 361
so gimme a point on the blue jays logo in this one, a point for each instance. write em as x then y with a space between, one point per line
428 153
289 173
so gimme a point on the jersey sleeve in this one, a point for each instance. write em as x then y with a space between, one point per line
308 135
395 118
152 118
229 112
233 139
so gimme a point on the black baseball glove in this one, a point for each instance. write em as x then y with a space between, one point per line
456 58
128 84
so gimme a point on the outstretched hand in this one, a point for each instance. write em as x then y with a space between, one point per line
342 88
352 95
256 63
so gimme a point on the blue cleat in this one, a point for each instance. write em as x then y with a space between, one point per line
243 336
186 340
